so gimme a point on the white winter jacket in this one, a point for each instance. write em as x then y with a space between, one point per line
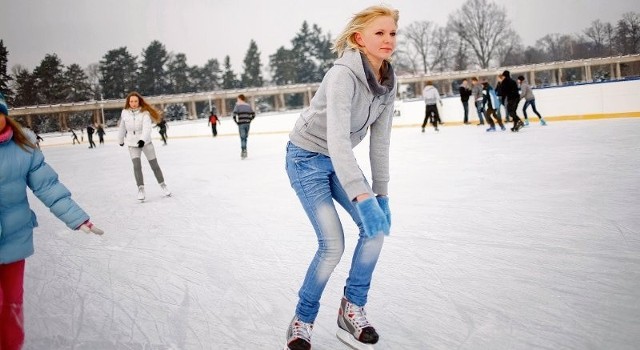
135 125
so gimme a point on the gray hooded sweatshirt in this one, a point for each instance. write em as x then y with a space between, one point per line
348 102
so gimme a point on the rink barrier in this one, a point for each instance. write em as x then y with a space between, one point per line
58 141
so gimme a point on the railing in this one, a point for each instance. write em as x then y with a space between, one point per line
308 88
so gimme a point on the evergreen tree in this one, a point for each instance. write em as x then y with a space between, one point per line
5 78
303 49
307 61
76 84
252 76
322 51
178 75
50 80
119 73
153 77
25 89
229 80
206 78
283 67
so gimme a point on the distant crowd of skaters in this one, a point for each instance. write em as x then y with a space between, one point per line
487 101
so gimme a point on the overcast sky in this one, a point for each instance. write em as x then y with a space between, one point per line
83 31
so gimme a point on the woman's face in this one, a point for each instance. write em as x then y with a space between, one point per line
378 39
134 102
3 121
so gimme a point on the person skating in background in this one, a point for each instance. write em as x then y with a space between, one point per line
501 98
213 121
74 137
529 100
465 93
243 114
90 131
431 98
22 166
476 93
135 131
100 132
510 92
162 130
38 137
355 95
491 104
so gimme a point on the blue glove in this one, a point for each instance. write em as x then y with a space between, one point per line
373 218
140 144
383 201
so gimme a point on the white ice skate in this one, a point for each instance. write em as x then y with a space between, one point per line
141 193
165 190
354 328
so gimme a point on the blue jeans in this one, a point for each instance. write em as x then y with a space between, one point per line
480 111
244 134
313 178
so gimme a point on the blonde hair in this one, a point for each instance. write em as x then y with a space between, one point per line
358 22
155 115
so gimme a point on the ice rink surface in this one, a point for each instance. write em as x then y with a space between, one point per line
499 241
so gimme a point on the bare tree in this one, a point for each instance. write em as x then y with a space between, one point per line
418 40
510 52
427 45
557 47
483 26
597 32
94 75
628 33
442 47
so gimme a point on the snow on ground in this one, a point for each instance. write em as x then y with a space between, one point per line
499 241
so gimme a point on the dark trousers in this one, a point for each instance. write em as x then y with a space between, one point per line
512 107
163 135
531 103
214 130
431 112
487 115
91 143
465 105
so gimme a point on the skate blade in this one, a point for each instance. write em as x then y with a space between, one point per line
351 342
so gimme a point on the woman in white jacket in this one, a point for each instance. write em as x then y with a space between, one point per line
135 131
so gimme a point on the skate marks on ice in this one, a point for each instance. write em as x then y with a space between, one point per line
498 241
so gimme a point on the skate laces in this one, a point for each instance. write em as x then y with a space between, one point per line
300 330
358 315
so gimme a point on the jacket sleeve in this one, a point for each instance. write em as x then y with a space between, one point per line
380 141
341 89
122 129
44 183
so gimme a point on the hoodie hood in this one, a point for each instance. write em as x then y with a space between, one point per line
506 74
359 65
